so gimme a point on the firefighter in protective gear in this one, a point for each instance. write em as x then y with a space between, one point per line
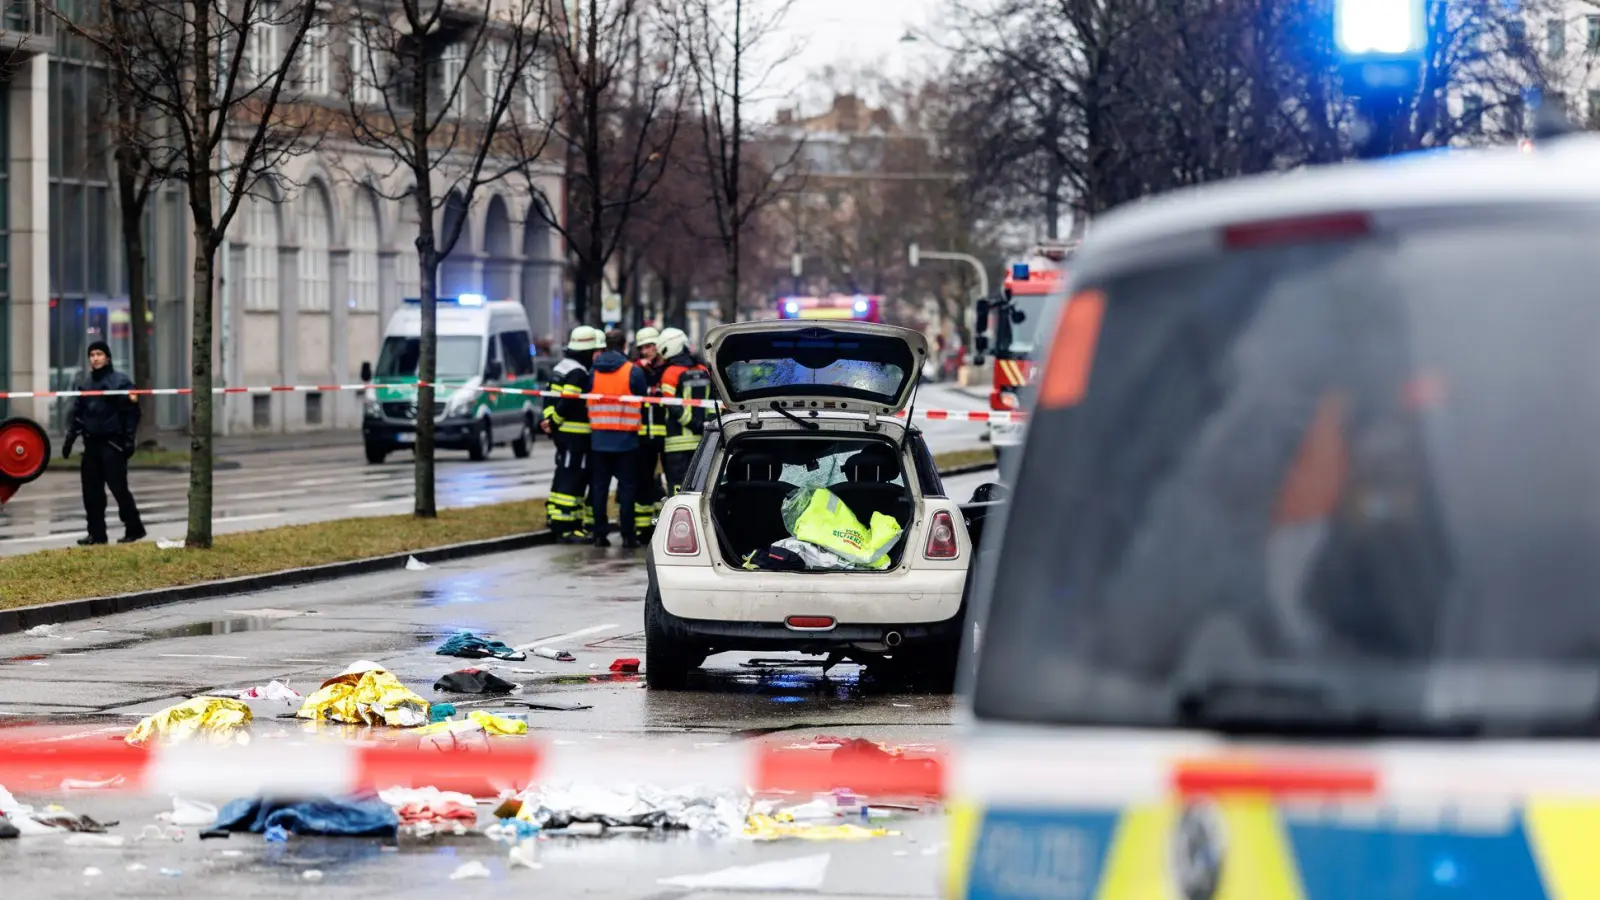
566 420
652 434
684 378
614 437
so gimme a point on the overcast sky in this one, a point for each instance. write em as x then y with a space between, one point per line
847 33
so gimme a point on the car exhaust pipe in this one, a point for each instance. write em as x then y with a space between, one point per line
892 639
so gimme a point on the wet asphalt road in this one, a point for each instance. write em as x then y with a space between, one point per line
286 480
103 674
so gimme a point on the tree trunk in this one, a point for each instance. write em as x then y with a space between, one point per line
200 401
427 364
132 214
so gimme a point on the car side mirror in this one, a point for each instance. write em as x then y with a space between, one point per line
494 371
990 492
366 373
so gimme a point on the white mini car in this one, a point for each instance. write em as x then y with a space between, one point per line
807 405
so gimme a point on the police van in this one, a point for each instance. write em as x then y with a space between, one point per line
481 344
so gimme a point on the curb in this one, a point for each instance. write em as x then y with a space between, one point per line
23 618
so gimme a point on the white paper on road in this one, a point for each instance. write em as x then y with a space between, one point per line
21 815
415 565
164 544
472 869
803 873
190 813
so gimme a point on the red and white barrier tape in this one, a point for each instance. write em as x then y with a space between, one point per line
1028 772
935 415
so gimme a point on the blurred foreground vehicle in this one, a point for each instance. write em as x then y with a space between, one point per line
1297 598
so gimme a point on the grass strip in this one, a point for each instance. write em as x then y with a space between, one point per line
51 575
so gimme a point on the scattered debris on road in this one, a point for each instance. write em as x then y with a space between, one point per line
468 645
366 694
474 681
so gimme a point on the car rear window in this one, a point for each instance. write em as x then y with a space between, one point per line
1371 465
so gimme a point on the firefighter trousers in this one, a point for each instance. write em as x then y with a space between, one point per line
566 509
675 466
647 502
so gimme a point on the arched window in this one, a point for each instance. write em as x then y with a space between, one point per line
261 235
409 275
363 243
315 236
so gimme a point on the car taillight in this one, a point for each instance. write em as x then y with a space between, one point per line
1305 229
681 539
942 537
1003 400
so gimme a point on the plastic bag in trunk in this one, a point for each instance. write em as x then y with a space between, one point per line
817 516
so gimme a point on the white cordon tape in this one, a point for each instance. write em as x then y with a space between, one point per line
931 415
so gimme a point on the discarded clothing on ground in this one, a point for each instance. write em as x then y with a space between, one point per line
473 681
467 645
430 805
708 811
352 817
438 712
58 817
372 696
218 719
275 690
487 722
19 816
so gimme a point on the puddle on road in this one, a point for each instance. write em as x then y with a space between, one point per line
215 626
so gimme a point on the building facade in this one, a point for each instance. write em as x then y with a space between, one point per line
311 270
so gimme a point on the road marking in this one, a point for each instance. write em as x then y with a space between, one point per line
54 536
564 637
375 504
79 734
199 656
262 495
323 661
251 518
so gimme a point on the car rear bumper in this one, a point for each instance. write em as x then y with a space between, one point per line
864 605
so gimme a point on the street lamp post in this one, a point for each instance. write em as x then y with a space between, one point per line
915 255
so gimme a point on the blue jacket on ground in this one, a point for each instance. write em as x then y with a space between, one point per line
638 384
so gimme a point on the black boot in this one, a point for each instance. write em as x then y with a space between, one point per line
91 541
133 535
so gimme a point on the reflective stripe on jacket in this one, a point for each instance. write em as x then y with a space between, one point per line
568 413
611 414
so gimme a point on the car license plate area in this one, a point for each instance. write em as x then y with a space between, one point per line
404 437
1041 854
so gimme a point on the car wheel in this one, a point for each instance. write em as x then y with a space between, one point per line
376 454
522 447
482 444
668 658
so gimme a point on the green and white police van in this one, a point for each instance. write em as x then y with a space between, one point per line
482 344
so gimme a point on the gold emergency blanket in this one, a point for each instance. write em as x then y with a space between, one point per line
217 719
372 697
782 825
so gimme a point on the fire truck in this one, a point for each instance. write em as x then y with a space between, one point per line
1009 326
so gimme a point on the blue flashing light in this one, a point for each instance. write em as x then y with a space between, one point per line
791 308
1367 29
861 305
471 299
1019 271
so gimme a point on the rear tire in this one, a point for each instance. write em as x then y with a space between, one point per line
522 447
482 443
668 657
376 454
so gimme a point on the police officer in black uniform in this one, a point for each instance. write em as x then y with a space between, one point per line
108 426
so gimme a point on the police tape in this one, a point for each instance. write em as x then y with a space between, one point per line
1033 771
935 415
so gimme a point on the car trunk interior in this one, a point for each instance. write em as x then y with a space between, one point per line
760 471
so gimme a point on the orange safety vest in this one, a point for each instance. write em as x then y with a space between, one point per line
613 414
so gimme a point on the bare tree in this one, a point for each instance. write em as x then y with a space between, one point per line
219 71
618 66
441 90
724 36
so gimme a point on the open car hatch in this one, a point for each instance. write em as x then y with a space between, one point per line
841 366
